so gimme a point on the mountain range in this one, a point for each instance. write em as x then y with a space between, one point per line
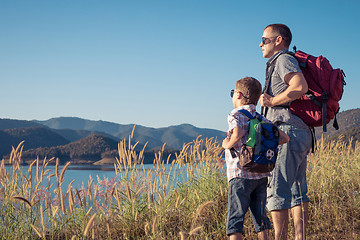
72 138
84 141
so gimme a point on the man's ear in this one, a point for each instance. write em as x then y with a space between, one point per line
279 40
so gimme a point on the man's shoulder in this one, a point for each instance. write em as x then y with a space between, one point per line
287 56
288 62
283 57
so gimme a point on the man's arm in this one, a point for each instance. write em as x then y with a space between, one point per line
297 87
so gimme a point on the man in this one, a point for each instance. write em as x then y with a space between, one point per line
287 185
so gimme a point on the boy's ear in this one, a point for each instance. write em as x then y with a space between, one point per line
239 94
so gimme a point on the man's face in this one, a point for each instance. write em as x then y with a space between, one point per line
268 45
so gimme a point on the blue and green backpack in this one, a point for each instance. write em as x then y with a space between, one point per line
259 153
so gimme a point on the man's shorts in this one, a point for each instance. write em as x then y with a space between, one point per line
245 194
287 185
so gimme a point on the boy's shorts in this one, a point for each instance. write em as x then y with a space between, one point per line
287 185
245 194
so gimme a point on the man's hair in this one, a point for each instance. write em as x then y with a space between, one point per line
282 30
250 89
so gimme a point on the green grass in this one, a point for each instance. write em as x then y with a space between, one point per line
147 204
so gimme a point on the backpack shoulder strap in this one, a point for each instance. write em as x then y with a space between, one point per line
269 71
246 113
259 116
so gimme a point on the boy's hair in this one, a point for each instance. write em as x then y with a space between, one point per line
282 30
250 89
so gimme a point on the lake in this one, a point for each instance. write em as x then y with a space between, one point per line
81 174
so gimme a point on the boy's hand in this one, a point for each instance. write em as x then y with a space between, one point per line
225 142
235 137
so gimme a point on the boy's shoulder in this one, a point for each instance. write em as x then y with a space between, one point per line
238 114
250 108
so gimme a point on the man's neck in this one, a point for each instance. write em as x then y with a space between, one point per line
274 56
280 50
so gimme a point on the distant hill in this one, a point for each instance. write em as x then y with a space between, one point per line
6 143
13 123
34 137
75 123
173 136
349 119
350 134
75 135
37 137
87 150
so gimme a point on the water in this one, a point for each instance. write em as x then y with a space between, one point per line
81 174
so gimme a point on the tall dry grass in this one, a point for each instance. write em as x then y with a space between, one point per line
140 203
151 203
334 189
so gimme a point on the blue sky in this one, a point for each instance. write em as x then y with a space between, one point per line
156 63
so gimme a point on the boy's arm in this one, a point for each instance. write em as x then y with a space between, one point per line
284 138
235 137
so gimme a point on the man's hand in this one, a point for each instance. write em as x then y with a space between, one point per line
297 87
266 100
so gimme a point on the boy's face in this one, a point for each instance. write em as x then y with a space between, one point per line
236 98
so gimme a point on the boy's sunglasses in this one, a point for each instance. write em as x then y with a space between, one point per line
263 39
232 92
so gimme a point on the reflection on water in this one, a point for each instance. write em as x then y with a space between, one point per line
90 167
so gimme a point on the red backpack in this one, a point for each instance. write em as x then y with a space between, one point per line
326 85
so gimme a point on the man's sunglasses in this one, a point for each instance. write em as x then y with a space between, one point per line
263 39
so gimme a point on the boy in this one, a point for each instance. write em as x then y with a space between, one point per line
246 189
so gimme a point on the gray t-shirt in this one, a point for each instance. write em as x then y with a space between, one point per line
285 63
